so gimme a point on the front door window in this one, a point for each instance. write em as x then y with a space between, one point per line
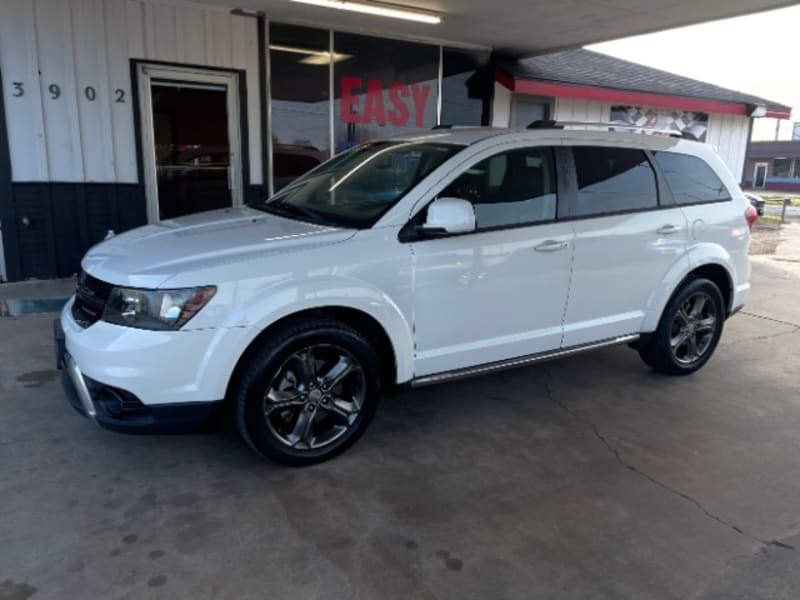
190 140
192 147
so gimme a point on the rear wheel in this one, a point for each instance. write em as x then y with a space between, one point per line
689 329
308 392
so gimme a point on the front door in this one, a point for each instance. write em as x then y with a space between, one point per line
498 293
190 140
760 175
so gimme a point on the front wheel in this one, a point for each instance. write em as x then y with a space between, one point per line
689 329
308 392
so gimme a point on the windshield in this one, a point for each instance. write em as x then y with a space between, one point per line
355 188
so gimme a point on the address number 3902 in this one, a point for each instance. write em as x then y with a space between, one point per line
54 91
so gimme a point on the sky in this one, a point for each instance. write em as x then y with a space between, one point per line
756 54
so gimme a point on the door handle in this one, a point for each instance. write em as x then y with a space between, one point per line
668 229
551 246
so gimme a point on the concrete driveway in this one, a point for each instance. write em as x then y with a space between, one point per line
585 478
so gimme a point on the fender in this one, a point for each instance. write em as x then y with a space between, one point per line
697 256
270 303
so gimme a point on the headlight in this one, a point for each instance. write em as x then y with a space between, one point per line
155 309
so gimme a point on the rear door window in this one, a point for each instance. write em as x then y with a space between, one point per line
690 179
613 180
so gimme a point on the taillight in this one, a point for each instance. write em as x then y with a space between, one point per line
751 216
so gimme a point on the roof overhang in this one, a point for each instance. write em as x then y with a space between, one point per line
631 97
516 27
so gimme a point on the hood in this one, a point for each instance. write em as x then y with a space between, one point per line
148 256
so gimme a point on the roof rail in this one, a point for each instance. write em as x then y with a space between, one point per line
551 124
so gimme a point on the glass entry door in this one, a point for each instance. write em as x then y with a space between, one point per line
760 175
190 135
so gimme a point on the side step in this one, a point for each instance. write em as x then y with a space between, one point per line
521 361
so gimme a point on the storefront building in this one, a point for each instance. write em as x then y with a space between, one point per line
116 113
773 166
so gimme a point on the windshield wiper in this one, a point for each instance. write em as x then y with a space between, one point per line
285 209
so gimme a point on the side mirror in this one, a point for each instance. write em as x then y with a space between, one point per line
449 215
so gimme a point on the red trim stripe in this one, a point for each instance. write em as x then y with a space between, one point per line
779 113
627 97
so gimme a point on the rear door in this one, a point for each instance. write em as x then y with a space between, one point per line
626 239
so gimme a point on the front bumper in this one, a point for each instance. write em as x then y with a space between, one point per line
118 409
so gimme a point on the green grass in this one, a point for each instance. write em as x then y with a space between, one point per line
769 219
779 200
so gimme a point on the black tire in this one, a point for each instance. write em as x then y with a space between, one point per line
656 349
267 433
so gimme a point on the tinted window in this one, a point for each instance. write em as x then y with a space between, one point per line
613 180
299 69
781 167
464 86
376 97
511 188
690 179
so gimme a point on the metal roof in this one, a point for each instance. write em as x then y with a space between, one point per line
586 68
774 149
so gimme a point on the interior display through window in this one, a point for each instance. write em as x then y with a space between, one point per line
378 97
299 67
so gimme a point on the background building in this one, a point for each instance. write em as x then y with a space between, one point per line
773 166
580 85
116 113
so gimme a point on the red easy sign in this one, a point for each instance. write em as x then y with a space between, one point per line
375 109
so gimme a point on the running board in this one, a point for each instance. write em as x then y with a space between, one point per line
512 363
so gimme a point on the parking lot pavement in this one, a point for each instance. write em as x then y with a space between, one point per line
589 477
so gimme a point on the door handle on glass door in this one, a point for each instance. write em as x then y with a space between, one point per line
668 229
551 246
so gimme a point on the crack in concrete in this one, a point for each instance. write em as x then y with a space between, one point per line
618 457
760 337
789 323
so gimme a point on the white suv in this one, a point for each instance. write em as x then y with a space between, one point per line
407 261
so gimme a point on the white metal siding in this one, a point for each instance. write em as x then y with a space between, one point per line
84 47
729 133
501 106
574 109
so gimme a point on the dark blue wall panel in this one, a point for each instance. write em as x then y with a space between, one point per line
56 223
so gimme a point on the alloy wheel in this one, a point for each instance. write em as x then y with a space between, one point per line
315 397
693 328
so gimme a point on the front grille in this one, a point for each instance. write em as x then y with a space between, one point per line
90 299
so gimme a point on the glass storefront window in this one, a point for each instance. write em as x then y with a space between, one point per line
300 69
382 87
465 85
781 167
